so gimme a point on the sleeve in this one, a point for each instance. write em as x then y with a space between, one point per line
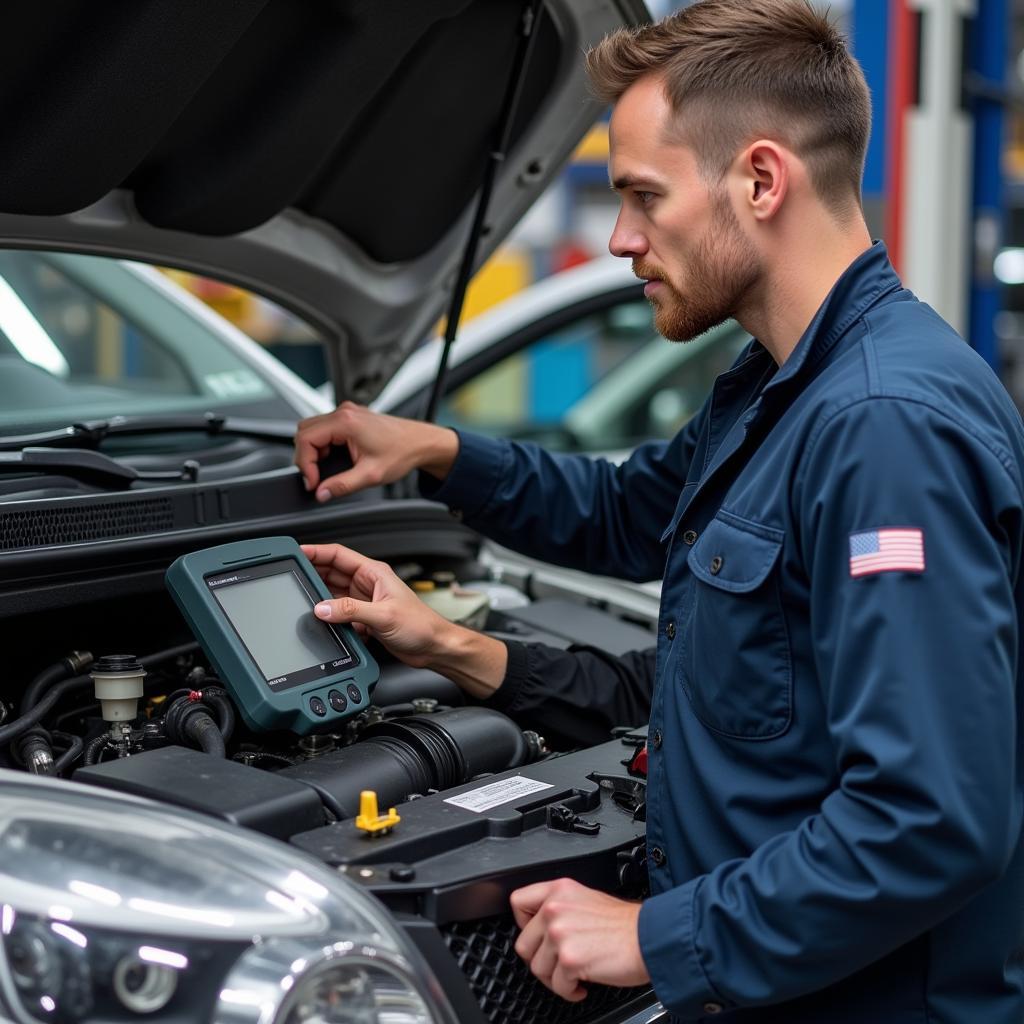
575 697
917 671
571 510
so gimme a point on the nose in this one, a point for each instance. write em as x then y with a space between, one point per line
626 240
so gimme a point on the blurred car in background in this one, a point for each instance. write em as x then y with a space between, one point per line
87 337
573 362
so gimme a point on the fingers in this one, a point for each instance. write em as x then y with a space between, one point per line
360 476
533 944
374 615
540 947
525 902
315 437
572 935
312 442
544 961
341 585
530 938
348 573
564 983
337 581
335 558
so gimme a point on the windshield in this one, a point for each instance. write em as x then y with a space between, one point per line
86 337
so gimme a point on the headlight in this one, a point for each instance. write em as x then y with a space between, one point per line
115 910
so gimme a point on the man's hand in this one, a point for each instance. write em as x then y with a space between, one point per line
571 934
369 595
374 600
383 449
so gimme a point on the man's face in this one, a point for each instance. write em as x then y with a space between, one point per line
683 237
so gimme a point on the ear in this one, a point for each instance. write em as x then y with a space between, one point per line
765 174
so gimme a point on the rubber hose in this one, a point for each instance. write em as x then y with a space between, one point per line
400 757
35 752
217 697
43 682
25 721
93 749
204 731
75 747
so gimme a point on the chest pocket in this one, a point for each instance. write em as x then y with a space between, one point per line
737 666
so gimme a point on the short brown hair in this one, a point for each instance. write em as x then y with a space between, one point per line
737 70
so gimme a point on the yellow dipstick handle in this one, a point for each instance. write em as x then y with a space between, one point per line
369 820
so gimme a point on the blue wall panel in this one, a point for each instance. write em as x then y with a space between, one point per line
988 60
869 36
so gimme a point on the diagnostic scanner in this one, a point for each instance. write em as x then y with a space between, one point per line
250 606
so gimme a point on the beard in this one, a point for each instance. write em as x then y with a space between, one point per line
720 273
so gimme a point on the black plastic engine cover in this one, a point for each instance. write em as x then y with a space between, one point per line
578 815
446 871
233 792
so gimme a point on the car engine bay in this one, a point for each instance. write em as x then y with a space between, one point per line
481 806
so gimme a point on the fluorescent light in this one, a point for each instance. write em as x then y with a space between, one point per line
27 335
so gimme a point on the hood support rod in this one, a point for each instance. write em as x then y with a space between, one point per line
513 92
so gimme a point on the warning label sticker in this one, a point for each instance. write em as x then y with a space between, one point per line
496 793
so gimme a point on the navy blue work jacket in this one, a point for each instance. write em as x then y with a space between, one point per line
835 757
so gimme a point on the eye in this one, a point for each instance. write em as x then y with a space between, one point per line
643 198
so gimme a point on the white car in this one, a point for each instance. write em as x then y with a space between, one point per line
85 335
165 854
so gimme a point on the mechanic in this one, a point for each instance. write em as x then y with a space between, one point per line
835 771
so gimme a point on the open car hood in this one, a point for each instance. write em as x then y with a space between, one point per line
325 153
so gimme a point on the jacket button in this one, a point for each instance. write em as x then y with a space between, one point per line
690 537
670 630
712 1008
658 856
716 565
656 739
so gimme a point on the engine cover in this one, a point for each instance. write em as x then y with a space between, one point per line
458 854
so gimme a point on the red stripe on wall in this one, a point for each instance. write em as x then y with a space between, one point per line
902 75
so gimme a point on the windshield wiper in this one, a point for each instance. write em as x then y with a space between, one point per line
89 467
91 433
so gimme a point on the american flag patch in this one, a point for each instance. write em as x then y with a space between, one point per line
893 549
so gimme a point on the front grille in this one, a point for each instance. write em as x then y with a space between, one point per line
503 985
35 528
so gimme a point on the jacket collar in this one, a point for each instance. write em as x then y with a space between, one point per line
867 279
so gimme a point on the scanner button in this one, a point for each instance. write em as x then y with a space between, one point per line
317 706
353 693
337 700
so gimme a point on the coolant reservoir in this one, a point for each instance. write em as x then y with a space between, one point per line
117 679
502 596
447 598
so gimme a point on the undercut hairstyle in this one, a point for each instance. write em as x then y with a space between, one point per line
735 71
